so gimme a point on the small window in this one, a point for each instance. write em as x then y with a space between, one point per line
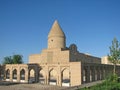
52 40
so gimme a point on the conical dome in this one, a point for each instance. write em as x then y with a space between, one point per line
56 37
56 30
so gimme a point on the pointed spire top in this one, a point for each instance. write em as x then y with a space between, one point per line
56 30
56 21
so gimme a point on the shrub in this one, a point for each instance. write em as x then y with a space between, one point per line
109 84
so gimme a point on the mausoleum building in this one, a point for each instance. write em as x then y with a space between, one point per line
58 64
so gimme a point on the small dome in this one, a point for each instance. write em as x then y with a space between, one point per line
56 30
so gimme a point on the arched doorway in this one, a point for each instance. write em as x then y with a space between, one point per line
53 77
84 75
96 75
1 74
7 75
14 75
91 77
22 75
42 77
104 75
32 76
65 77
100 71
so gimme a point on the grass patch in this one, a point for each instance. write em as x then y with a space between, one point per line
111 83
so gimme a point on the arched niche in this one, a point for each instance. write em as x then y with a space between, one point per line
42 76
14 75
91 75
96 74
52 77
22 75
32 76
65 77
84 75
7 75
2 74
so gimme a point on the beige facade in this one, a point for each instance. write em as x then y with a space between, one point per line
104 60
58 65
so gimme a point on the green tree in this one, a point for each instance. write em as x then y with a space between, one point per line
7 60
114 56
15 59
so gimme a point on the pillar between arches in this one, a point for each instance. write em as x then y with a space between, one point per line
88 74
18 76
11 78
59 79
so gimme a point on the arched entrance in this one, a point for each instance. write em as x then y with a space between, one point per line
100 71
14 75
91 77
1 74
53 77
104 74
96 75
84 75
65 77
22 75
7 75
32 76
42 76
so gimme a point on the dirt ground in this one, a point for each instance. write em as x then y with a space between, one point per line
38 86
29 87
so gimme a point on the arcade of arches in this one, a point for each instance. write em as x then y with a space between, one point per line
55 74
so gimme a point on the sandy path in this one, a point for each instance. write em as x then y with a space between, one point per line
30 87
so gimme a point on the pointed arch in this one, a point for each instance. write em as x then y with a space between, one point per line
52 77
32 76
14 75
7 74
1 74
91 76
96 75
42 76
65 77
84 75
22 75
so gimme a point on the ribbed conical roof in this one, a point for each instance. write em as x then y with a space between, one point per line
56 30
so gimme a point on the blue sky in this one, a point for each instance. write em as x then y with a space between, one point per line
90 24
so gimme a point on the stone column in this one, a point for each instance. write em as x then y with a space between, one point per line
84 75
18 75
88 74
60 80
0 73
104 73
57 78
3 75
45 81
27 75
36 75
11 75
47 75
98 74
93 74
101 73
